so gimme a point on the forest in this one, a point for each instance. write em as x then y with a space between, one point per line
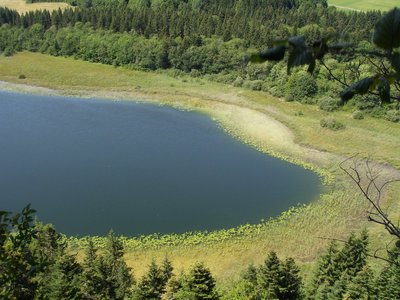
36 263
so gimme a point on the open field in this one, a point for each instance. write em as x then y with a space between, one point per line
269 124
364 5
22 7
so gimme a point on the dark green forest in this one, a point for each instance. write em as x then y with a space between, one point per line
36 263
210 39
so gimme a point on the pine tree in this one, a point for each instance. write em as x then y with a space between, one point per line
353 256
63 279
91 280
269 276
166 270
362 286
388 282
199 284
290 286
328 271
153 283
107 276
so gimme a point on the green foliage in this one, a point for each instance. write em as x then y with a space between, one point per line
393 115
199 284
153 284
328 104
275 279
301 86
386 36
18 264
332 124
343 271
387 31
358 115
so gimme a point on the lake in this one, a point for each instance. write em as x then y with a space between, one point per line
89 166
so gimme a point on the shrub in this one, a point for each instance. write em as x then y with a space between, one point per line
329 103
393 115
299 113
358 115
256 85
8 51
21 76
300 86
238 82
331 124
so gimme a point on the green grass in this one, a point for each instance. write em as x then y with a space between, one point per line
297 233
364 5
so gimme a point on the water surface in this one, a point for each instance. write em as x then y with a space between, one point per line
89 166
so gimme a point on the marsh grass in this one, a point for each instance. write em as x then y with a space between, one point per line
302 232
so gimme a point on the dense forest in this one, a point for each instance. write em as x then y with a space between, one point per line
36 263
212 39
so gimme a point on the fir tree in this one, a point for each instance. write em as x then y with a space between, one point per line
153 283
269 276
290 286
199 284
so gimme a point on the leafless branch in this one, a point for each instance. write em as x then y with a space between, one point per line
372 187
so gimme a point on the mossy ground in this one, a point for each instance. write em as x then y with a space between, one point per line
269 124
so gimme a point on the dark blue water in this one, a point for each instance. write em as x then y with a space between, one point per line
89 166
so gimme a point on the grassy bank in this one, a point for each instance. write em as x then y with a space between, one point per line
269 124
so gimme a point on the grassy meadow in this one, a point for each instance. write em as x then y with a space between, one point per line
364 5
269 124
22 7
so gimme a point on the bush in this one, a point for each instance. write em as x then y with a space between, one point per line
238 82
21 76
331 124
358 115
299 113
329 103
367 102
9 51
255 85
300 87
393 115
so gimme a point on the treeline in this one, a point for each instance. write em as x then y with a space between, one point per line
257 22
37 263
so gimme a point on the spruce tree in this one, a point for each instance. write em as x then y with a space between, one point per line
269 276
290 285
152 285
362 286
199 284
166 270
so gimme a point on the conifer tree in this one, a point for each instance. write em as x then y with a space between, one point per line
91 280
199 284
152 285
362 286
166 270
269 276
290 286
